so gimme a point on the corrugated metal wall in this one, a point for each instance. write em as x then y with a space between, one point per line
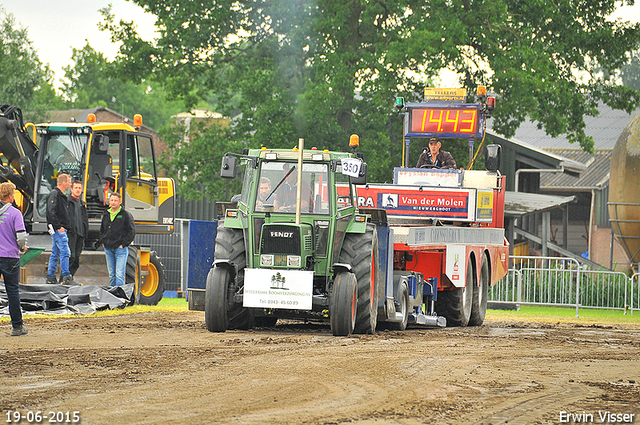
203 209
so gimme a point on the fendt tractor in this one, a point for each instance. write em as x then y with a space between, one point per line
423 250
107 157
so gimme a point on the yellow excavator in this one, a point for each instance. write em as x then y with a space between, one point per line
107 157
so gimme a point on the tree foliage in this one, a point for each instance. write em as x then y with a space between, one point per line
25 82
93 81
321 69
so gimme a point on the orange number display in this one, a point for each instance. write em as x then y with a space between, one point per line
449 121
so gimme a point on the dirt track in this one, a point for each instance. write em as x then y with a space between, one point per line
167 368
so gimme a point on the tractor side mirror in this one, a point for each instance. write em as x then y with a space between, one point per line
362 176
228 169
492 157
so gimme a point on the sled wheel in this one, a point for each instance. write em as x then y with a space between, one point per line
480 294
455 305
403 297
343 304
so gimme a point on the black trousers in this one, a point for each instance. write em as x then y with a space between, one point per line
76 243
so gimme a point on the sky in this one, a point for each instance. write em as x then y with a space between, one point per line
57 26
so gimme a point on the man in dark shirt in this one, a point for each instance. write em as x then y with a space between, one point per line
433 157
58 222
79 225
117 232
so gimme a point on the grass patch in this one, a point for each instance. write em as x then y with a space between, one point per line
566 314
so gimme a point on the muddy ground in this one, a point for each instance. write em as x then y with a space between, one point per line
167 368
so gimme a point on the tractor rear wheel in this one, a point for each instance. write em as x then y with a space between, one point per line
360 251
480 294
342 310
455 305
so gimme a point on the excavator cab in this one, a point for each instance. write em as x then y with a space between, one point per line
107 157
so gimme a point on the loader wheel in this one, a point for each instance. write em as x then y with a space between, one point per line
403 297
152 284
215 301
132 272
342 310
455 305
480 294
360 251
230 246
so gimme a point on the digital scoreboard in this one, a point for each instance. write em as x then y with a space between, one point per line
450 121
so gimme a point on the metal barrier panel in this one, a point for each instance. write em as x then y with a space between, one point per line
168 248
202 239
538 280
604 289
557 281
635 292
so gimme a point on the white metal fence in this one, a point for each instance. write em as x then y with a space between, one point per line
555 281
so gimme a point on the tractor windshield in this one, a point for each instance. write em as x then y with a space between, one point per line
277 188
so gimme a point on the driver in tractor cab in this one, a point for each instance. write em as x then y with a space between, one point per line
433 157
287 192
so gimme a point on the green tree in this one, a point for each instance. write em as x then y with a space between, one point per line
92 81
321 69
25 82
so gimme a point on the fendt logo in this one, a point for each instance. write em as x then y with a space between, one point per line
281 234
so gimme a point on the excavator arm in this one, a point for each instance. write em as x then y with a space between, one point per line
18 152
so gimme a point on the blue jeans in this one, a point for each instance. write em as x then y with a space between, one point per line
116 264
59 251
10 271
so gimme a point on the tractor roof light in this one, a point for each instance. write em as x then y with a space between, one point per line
354 141
399 103
137 120
91 118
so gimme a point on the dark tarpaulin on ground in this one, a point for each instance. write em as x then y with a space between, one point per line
68 299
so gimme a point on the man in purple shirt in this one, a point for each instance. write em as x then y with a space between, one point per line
13 240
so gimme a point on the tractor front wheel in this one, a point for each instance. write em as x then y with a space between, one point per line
215 301
343 304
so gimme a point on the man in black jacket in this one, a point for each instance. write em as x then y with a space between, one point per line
433 157
117 232
58 222
79 225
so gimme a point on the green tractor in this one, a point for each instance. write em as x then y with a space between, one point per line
295 246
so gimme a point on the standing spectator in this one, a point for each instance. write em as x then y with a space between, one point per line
59 222
13 240
117 232
79 225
